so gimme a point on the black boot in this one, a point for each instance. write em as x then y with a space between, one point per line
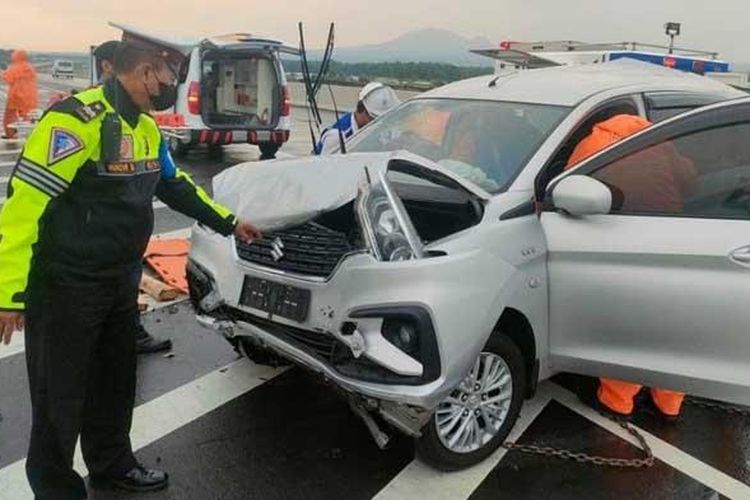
145 343
138 479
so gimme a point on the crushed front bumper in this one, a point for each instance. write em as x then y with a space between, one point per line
342 336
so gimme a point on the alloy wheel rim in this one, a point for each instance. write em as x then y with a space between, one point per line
472 415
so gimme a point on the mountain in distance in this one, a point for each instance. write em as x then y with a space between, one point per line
427 45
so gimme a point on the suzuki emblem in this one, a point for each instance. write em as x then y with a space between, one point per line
277 249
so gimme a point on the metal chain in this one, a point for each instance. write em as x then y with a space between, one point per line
563 454
742 411
647 461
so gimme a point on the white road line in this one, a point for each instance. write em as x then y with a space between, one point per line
16 346
418 480
165 414
6 164
672 456
4 179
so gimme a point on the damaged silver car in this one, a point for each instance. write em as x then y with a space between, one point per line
443 267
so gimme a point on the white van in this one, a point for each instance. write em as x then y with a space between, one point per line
62 69
231 89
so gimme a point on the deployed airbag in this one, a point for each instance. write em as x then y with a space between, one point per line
278 194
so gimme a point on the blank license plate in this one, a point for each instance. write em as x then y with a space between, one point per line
276 299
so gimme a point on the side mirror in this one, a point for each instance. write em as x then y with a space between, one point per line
579 195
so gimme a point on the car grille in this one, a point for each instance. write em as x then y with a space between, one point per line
319 344
309 249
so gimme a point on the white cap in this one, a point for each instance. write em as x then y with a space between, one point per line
378 98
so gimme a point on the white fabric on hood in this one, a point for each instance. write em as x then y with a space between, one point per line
275 194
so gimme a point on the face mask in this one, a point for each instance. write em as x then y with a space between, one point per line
166 98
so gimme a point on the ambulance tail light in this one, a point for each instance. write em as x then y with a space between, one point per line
194 98
286 101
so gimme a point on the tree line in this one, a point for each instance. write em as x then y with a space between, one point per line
437 73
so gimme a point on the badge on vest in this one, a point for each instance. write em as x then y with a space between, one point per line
63 143
91 111
126 148
128 168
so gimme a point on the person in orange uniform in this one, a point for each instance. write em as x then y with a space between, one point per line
615 395
22 91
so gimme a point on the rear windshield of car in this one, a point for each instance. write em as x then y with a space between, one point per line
485 142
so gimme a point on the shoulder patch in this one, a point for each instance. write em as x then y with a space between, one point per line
88 112
62 144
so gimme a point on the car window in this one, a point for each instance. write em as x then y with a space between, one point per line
485 142
702 174
556 165
664 105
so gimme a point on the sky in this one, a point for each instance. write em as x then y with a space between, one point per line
73 25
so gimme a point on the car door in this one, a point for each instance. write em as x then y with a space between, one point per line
657 290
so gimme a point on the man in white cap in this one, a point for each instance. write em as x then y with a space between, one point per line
375 99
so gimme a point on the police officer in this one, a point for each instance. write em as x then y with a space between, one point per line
104 60
73 231
374 99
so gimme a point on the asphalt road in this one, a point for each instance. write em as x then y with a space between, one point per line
227 429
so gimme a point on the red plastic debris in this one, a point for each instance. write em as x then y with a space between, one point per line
169 258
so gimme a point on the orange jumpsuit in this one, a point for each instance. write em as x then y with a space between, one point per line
615 394
20 78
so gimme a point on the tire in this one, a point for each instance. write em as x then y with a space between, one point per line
215 151
178 148
432 448
268 150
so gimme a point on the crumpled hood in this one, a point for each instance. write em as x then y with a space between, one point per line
274 194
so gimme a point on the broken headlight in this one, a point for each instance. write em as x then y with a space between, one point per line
386 224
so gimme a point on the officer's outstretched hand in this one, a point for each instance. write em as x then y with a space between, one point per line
247 232
10 321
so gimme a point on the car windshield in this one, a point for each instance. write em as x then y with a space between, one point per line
485 142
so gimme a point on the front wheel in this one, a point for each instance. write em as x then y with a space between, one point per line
474 420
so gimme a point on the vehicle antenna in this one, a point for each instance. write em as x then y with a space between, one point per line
342 143
367 175
310 107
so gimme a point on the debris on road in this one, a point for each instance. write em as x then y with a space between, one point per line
157 289
168 258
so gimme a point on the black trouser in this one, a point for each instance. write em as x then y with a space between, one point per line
80 352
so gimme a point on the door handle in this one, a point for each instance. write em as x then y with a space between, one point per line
742 255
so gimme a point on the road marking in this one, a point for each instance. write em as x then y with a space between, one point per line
16 346
670 455
418 480
4 179
164 415
6 164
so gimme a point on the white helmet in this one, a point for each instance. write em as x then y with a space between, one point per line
378 98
